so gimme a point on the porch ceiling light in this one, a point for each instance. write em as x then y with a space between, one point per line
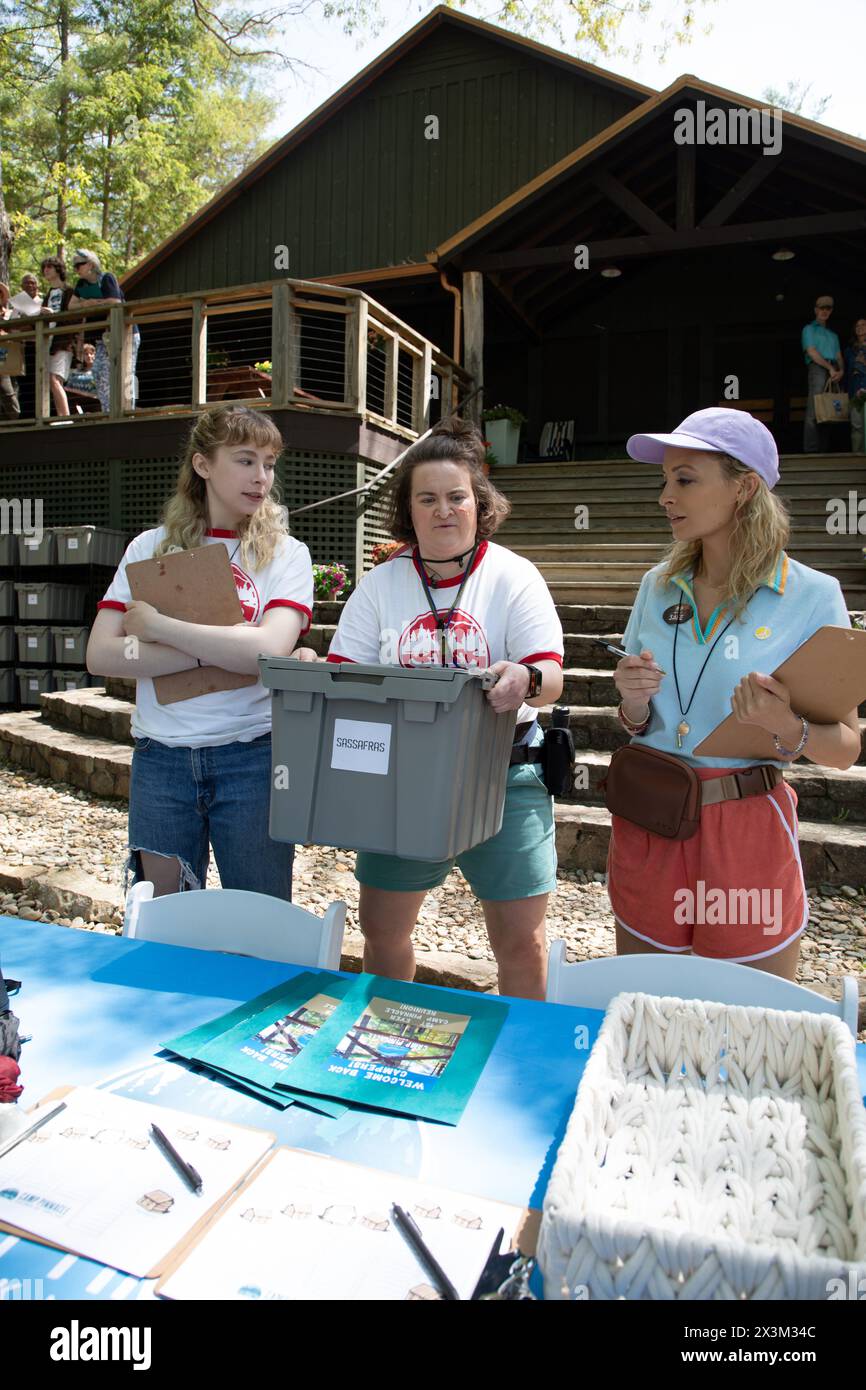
611 272
783 254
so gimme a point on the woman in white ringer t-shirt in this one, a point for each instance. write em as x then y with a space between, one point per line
201 770
452 595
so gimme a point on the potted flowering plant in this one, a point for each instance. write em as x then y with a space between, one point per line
502 428
329 582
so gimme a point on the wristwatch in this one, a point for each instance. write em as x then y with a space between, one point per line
535 679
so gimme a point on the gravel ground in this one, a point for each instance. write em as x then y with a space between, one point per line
46 824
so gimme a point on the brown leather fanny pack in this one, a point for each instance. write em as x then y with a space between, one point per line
664 795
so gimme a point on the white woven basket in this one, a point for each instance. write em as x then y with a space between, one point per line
714 1152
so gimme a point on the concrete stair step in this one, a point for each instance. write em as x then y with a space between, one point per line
834 854
652 529
570 592
790 465
829 558
544 503
98 765
649 481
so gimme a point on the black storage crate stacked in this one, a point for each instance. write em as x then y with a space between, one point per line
60 577
8 649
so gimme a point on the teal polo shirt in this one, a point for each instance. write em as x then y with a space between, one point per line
815 335
791 604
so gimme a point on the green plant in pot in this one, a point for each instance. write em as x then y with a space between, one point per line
502 425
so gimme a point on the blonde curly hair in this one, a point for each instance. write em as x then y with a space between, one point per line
185 513
760 534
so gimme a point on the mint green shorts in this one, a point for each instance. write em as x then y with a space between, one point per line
518 862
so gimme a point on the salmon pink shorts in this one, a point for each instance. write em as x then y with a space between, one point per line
733 891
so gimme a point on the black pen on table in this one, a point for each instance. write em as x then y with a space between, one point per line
618 651
413 1237
186 1170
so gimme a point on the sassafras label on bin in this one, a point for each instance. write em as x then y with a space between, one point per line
361 746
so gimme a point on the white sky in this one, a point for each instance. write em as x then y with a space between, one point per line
752 44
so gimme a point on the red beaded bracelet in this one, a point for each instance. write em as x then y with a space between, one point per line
628 725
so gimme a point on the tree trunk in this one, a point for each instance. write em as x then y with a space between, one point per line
6 237
106 187
63 125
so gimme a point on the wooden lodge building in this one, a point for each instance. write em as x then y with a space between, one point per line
485 212
473 217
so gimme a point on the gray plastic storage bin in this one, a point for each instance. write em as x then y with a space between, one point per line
70 645
89 545
385 758
37 552
35 643
7 598
8 646
62 602
8 548
69 680
8 687
33 683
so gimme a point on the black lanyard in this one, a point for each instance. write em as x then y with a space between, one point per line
683 727
443 623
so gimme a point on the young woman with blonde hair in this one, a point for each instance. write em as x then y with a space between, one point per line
724 608
201 769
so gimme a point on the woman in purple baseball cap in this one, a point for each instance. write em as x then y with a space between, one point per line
726 606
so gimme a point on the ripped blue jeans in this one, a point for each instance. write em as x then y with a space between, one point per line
184 800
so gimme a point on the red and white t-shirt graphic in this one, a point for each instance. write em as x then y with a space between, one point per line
247 593
466 645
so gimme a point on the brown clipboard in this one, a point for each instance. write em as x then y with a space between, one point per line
195 586
826 677
524 1237
175 1256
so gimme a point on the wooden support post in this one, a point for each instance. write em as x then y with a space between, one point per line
42 404
422 368
446 386
199 353
355 371
282 361
473 336
685 187
118 356
392 360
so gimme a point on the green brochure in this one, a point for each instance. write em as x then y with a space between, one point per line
256 1042
401 1047
263 1046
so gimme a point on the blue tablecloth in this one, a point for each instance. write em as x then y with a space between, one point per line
99 1007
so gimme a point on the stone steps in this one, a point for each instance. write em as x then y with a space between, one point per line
826 466
98 765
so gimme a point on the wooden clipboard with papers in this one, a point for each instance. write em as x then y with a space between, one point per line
195 586
826 677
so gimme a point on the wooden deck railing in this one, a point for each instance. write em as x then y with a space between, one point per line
288 344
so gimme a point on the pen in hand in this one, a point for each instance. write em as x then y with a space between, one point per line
618 651
186 1170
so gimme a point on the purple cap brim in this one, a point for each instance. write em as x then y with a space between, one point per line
650 448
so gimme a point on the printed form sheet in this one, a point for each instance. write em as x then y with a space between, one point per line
92 1180
307 1227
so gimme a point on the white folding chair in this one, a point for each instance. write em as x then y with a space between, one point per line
593 983
245 924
